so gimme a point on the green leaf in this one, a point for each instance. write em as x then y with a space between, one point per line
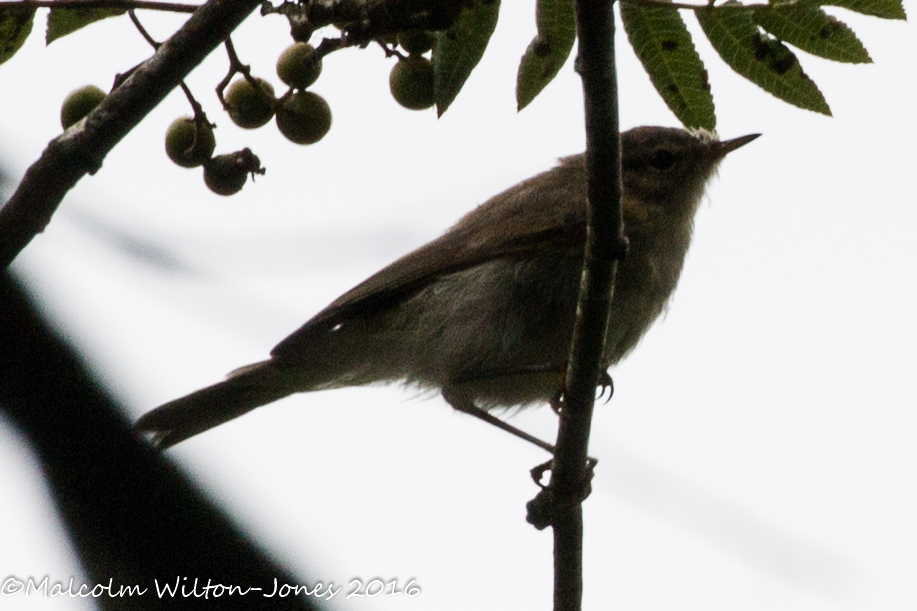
545 56
813 31
662 42
459 49
763 60
15 25
63 21
887 9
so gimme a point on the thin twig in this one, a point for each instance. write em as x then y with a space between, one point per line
195 105
364 20
235 67
330 45
200 118
142 30
390 51
113 4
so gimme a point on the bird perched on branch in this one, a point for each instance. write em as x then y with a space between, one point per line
485 312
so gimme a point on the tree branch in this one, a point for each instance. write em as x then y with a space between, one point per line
371 18
364 20
88 4
605 246
130 513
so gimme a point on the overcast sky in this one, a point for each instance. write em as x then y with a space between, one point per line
758 454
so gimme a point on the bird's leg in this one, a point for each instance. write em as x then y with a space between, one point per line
538 472
542 510
464 403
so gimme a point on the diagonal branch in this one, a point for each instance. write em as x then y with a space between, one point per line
131 515
81 149
28 5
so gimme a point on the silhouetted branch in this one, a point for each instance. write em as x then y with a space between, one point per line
172 7
133 516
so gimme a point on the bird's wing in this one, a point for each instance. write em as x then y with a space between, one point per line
552 204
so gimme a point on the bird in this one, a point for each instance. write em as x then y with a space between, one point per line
484 313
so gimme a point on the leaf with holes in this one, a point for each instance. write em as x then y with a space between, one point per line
662 42
763 60
545 56
63 21
15 25
459 49
887 9
814 31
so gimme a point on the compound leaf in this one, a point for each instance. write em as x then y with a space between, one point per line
662 43
760 58
814 31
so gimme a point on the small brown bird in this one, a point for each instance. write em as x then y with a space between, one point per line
485 312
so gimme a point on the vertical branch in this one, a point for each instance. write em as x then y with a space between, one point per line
605 246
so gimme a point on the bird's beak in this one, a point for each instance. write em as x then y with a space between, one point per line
727 146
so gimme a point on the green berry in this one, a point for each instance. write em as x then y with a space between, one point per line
411 82
416 42
249 108
299 65
79 103
304 117
184 147
224 175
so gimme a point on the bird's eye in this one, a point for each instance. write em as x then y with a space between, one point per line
662 159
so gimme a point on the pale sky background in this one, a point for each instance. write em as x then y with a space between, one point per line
759 452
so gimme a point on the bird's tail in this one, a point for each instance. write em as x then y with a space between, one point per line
243 391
